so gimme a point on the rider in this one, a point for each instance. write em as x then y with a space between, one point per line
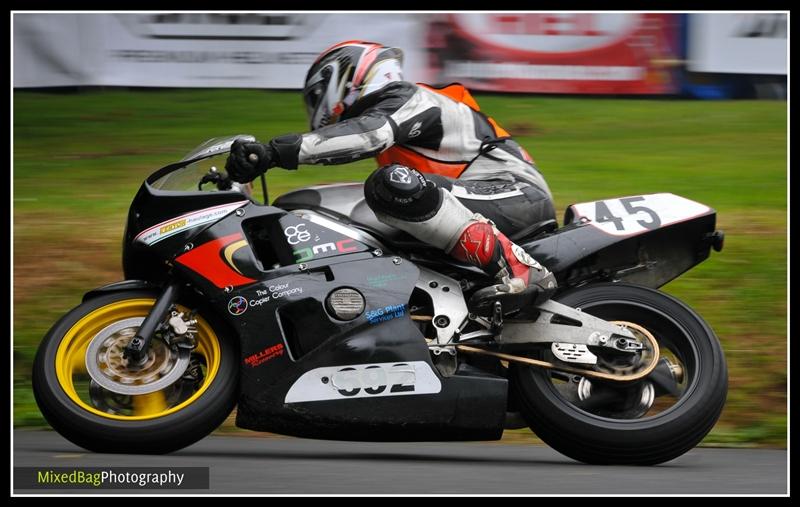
478 183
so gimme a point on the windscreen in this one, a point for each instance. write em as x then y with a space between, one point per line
216 145
187 178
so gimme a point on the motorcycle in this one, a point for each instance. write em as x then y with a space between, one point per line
316 320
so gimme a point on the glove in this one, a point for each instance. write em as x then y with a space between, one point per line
248 160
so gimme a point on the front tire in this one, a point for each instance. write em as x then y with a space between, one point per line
154 423
599 435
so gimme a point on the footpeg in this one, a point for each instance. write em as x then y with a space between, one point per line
497 318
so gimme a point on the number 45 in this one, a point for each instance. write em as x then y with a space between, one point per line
603 214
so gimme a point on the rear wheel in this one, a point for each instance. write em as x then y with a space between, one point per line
645 422
89 394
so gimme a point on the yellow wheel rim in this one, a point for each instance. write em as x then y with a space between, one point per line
71 359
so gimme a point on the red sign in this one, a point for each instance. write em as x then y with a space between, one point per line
555 53
264 356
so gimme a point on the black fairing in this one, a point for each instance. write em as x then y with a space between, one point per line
270 274
287 321
579 252
151 207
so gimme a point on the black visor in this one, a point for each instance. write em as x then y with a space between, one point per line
312 96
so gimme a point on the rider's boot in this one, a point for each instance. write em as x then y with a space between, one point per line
521 281
404 198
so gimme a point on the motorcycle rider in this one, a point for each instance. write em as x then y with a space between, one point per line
449 175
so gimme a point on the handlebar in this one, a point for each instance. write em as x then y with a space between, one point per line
222 181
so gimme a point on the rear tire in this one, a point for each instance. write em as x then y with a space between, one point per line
82 424
649 440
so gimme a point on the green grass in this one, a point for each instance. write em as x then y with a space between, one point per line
80 157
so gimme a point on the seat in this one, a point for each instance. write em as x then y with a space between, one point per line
345 202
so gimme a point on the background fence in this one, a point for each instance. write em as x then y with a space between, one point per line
591 53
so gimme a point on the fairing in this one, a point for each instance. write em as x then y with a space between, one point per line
269 272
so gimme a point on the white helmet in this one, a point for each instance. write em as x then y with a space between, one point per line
343 74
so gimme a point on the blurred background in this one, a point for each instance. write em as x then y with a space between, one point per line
608 104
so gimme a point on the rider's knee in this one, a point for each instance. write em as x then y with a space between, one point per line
402 192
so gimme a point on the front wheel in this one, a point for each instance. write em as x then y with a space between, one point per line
89 394
646 422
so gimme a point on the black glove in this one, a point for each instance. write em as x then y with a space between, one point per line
248 160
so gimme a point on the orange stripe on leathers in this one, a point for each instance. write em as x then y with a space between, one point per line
458 93
400 155
404 156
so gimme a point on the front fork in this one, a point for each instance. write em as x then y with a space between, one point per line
136 350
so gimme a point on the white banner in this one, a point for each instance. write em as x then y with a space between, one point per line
749 43
561 53
260 50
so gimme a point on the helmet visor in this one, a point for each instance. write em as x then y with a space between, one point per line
312 96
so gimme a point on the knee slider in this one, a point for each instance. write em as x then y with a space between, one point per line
402 192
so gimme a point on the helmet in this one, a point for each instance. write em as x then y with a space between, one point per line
344 73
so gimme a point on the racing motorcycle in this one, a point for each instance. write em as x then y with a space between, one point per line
316 320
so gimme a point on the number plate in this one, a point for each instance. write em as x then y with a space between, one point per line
628 216
364 381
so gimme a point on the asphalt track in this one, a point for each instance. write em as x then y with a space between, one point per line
277 465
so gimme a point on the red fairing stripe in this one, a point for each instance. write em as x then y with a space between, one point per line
206 261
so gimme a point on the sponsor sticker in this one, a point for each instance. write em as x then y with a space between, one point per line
341 246
265 355
385 314
382 280
296 234
273 292
171 227
237 305
191 220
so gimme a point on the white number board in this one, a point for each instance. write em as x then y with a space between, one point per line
628 216
364 381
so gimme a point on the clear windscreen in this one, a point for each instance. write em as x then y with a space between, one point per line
187 178
216 145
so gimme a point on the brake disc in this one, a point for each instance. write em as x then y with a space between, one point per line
105 363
